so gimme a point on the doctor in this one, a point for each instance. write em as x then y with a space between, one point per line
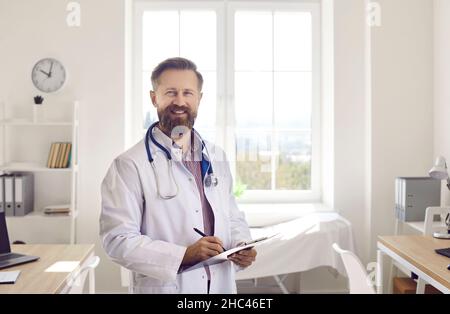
157 192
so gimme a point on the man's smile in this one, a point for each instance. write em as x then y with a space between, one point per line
178 112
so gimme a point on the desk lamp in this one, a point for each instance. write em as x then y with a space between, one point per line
439 172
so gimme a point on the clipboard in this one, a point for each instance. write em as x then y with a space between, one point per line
223 257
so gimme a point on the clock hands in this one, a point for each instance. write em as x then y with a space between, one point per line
48 74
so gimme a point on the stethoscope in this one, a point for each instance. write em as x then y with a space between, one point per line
207 171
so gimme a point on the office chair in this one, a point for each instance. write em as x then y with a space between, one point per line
429 229
75 284
357 276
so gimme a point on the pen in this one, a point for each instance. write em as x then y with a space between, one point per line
260 239
204 235
257 240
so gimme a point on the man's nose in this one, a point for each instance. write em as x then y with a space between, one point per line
180 100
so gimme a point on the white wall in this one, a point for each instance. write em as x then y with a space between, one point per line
94 58
383 113
327 102
402 103
442 84
350 115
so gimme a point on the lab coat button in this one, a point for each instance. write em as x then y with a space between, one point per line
196 210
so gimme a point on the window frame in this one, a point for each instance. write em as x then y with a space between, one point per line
140 6
285 196
225 110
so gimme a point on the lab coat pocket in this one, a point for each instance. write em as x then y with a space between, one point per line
168 289
144 284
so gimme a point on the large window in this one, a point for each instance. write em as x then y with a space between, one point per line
188 33
260 62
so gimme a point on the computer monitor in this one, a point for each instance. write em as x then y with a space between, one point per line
4 239
7 258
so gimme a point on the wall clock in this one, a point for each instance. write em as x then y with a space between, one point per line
48 75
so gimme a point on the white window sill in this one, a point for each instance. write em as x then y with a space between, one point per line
261 215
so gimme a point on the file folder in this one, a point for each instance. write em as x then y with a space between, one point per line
9 195
2 193
23 194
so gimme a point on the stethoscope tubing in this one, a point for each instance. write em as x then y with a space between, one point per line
210 178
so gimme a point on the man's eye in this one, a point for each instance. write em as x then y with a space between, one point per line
170 93
189 93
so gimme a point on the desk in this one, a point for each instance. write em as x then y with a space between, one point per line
417 254
34 279
407 228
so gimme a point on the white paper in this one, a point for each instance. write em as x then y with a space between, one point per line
9 276
223 257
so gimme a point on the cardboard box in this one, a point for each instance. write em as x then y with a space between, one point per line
408 286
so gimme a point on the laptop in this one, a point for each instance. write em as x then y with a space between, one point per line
7 258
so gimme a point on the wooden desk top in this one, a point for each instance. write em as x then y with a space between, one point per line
419 251
33 278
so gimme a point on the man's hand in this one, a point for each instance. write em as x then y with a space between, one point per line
243 258
201 250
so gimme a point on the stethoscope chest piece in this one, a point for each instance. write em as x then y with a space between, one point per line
211 180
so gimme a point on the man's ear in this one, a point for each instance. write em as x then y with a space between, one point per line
153 98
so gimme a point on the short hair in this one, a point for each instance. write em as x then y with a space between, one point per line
175 64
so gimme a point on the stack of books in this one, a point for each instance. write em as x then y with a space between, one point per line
56 210
59 155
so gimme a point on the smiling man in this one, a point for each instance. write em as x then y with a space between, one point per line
158 195
176 96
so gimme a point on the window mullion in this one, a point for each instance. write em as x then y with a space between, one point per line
229 104
273 135
179 33
221 75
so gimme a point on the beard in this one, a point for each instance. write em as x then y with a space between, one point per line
174 125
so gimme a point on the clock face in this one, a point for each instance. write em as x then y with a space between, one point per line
48 75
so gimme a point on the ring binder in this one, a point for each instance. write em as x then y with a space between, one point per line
9 195
23 194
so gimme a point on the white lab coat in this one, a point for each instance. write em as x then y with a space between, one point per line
149 235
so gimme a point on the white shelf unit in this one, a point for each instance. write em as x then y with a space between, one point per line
24 147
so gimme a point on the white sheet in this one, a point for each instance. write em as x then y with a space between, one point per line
304 244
